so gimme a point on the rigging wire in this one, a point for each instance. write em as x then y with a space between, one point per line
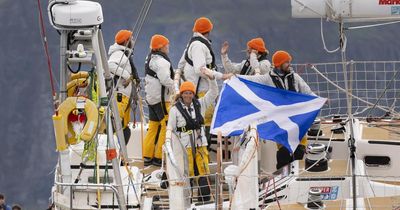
135 29
372 25
383 92
46 49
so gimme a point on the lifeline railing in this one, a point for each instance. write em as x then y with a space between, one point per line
275 191
72 187
374 87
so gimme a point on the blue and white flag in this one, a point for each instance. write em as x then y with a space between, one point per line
280 115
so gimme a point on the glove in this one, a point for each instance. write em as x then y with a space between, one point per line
207 72
126 82
254 63
299 152
231 172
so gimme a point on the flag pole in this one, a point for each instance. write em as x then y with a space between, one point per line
219 171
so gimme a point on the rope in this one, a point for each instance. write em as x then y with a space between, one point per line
46 49
265 194
323 40
141 120
139 23
372 25
276 195
98 181
383 92
130 177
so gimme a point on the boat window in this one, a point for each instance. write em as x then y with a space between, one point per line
376 161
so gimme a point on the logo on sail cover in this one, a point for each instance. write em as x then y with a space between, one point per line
389 2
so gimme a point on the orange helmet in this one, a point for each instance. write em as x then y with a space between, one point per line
158 41
280 57
202 25
122 36
257 44
187 86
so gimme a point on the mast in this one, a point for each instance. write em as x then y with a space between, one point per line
351 139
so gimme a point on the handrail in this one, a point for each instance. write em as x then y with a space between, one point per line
99 186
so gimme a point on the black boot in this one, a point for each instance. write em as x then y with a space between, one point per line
283 157
204 190
208 136
147 161
156 162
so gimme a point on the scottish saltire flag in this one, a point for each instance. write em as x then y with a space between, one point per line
280 115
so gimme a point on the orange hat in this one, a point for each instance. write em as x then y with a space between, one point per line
202 25
257 44
187 86
122 36
158 41
280 57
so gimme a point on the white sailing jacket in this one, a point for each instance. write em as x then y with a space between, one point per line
153 85
116 52
236 68
176 119
201 57
299 84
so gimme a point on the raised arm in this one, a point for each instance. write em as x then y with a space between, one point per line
226 62
262 79
210 96
172 119
171 126
254 63
303 86
229 66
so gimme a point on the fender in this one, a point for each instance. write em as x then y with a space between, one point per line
72 85
80 79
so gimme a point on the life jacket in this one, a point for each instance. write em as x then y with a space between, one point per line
191 124
190 62
278 84
134 72
152 73
208 45
246 67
